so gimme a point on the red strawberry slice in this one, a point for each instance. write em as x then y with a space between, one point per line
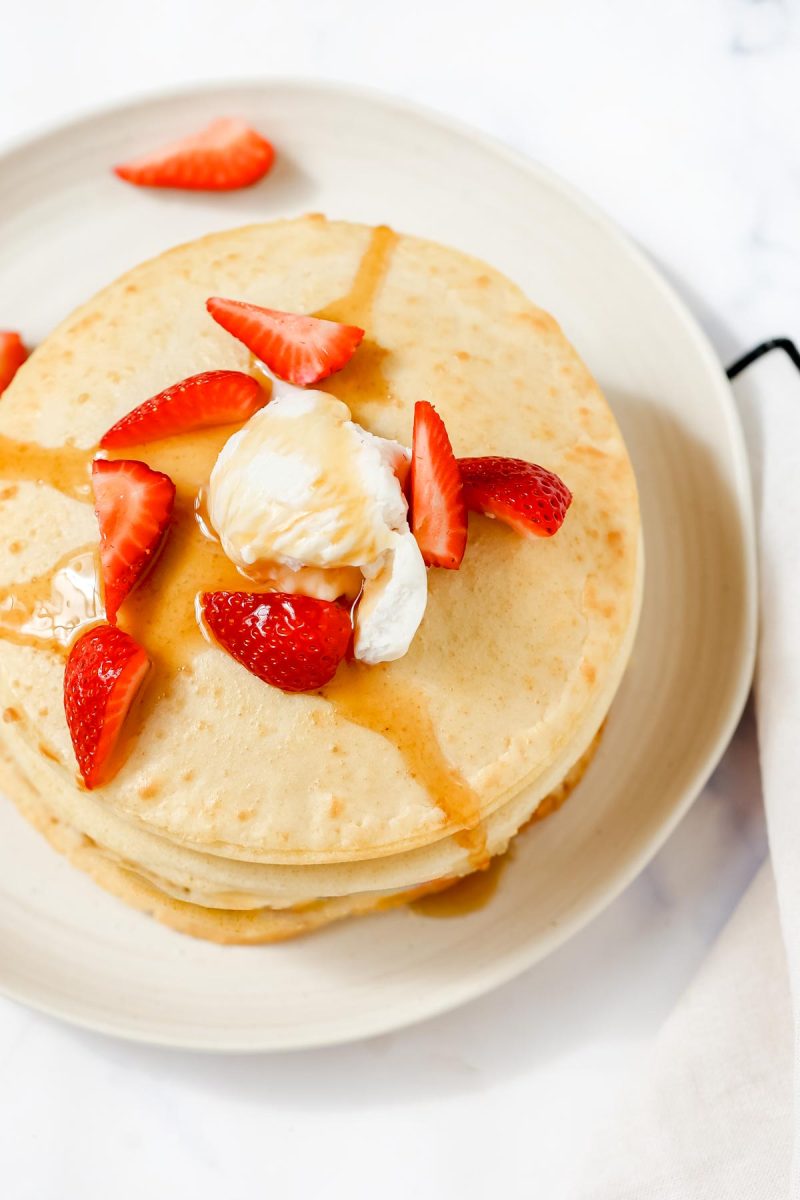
12 356
133 506
104 671
226 155
293 642
212 398
301 349
438 513
525 496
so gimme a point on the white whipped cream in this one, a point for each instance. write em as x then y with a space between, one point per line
305 500
392 603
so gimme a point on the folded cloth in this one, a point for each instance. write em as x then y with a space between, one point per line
711 1115
716 1113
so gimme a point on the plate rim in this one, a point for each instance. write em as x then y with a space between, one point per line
470 987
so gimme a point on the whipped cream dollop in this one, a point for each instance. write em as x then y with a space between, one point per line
305 500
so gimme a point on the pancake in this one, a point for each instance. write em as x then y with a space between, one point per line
237 798
249 925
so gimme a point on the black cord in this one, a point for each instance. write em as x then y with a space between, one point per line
757 352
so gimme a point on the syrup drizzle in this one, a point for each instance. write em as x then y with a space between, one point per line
162 615
372 697
363 380
65 468
51 609
466 895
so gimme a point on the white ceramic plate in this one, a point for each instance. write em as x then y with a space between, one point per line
67 227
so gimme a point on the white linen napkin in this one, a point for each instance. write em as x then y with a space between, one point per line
716 1113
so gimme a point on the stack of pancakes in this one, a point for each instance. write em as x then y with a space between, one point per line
242 813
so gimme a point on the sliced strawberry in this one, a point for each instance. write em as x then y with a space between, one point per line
438 513
529 498
104 671
301 349
133 506
226 155
213 398
293 642
12 356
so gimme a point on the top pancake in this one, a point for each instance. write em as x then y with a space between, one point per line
519 651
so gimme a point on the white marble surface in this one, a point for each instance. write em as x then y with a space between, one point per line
680 119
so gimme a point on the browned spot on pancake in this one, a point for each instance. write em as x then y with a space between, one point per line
592 601
87 842
85 322
187 776
44 711
11 716
318 217
151 790
463 355
49 753
54 821
541 321
606 609
15 547
336 807
8 493
579 453
589 672
131 289
482 281
83 398
243 815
